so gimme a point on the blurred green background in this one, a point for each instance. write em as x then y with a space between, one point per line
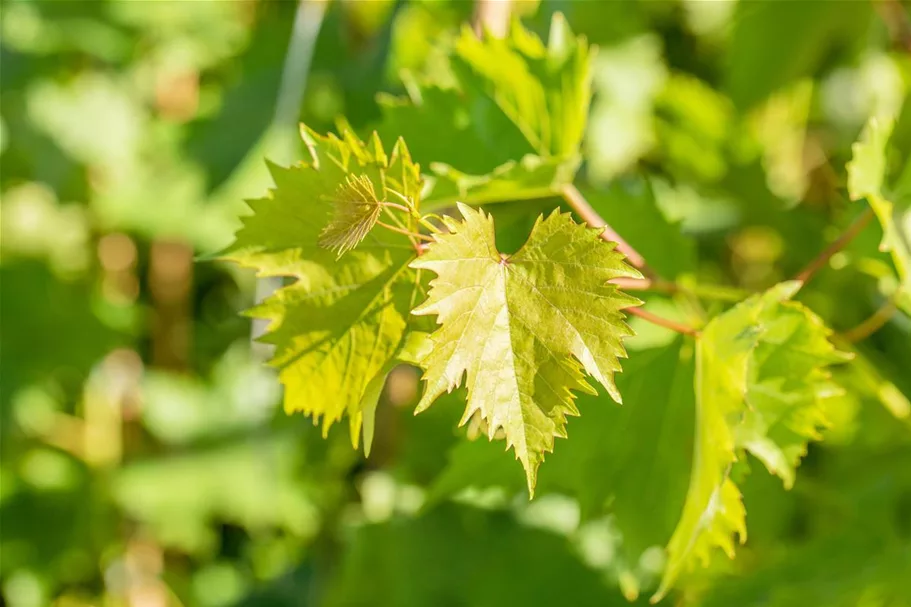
145 459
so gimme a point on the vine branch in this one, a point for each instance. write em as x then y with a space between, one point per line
589 215
841 242
583 209
416 235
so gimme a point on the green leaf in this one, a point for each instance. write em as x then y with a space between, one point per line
544 90
646 448
337 327
530 178
867 172
508 122
789 388
867 168
514 323
713 511
761 386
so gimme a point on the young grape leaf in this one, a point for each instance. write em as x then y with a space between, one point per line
867 179
789 388
357 209
762 386
523 326
507 122
339 324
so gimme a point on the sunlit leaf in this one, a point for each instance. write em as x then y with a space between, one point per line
761 387
339 324
523 326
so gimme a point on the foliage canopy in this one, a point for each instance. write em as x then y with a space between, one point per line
657 255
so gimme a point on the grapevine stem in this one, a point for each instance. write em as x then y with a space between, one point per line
423 237
577 202
397 206
847 236
398 222
872 324
433 229
663 322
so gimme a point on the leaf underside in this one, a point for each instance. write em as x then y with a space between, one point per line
762 386
523 327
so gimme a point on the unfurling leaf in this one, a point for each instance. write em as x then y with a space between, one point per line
357 210
336 329
762 384
522 327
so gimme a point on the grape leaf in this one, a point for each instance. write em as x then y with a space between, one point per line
531 178
867 179
507 122
513 323
339 324
713 512
789 388
761 386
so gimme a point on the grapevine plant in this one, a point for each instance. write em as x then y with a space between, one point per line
394 262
